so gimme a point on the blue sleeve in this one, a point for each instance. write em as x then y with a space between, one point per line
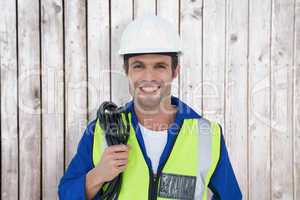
72 184
223 182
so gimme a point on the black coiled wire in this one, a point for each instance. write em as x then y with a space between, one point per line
116 132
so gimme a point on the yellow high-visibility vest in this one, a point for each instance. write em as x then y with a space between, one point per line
187 171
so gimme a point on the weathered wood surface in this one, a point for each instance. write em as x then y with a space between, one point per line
75 74
52 70
29 96
281 99
240 67
259 100
236 89
9 101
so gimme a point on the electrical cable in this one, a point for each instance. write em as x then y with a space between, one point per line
116 132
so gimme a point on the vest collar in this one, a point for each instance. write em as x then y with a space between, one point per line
183 112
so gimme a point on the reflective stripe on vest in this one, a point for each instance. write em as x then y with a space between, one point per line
191 163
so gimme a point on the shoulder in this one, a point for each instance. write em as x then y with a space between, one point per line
90 128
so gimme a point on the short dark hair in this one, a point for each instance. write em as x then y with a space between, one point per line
173 55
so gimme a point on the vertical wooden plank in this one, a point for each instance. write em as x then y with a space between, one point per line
75 74
191 60
29 100
98 55
213 60
259 99
9 104
236 89
281 99
169 9
121 15
296 106
144 7
52 96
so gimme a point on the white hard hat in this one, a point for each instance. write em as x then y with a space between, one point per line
150 34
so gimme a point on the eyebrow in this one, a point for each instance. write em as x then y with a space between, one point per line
161 63
141 63
137 62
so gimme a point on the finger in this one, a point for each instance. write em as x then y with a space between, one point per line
120 155
122 168
117 148
120 163
124 148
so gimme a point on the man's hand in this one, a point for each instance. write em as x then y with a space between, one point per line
113 161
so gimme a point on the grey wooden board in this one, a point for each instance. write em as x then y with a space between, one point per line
281 100
236 83
9 103
52 96
259 99
75 75
240 67
29 100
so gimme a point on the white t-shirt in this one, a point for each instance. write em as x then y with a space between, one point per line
155 142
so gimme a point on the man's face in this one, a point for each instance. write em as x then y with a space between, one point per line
150 77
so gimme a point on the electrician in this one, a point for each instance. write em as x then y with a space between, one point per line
172 151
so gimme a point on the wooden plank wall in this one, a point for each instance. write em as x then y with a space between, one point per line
240 67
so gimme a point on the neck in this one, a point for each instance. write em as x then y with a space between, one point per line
158 119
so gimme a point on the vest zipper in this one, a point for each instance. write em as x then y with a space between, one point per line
153 182
151 185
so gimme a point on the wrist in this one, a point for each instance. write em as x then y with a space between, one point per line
101 180
95 178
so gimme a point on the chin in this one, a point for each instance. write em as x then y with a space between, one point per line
148 102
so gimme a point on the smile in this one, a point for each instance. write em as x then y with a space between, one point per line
149 89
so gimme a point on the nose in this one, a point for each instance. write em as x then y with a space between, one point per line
149 74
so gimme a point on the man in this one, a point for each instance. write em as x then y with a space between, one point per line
172 152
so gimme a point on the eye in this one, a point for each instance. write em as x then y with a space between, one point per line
137 66
160 66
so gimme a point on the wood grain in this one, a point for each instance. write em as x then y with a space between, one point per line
121 16
98 55
236 94
75 74
9 103
52 96
240 67
259 99
213 60
281 100
29 100
191 60
296 106
144 7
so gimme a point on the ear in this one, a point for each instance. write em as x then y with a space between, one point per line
125 68
176 71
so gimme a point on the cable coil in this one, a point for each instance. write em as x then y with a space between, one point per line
116 132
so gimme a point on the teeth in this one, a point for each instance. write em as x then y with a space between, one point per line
149 89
